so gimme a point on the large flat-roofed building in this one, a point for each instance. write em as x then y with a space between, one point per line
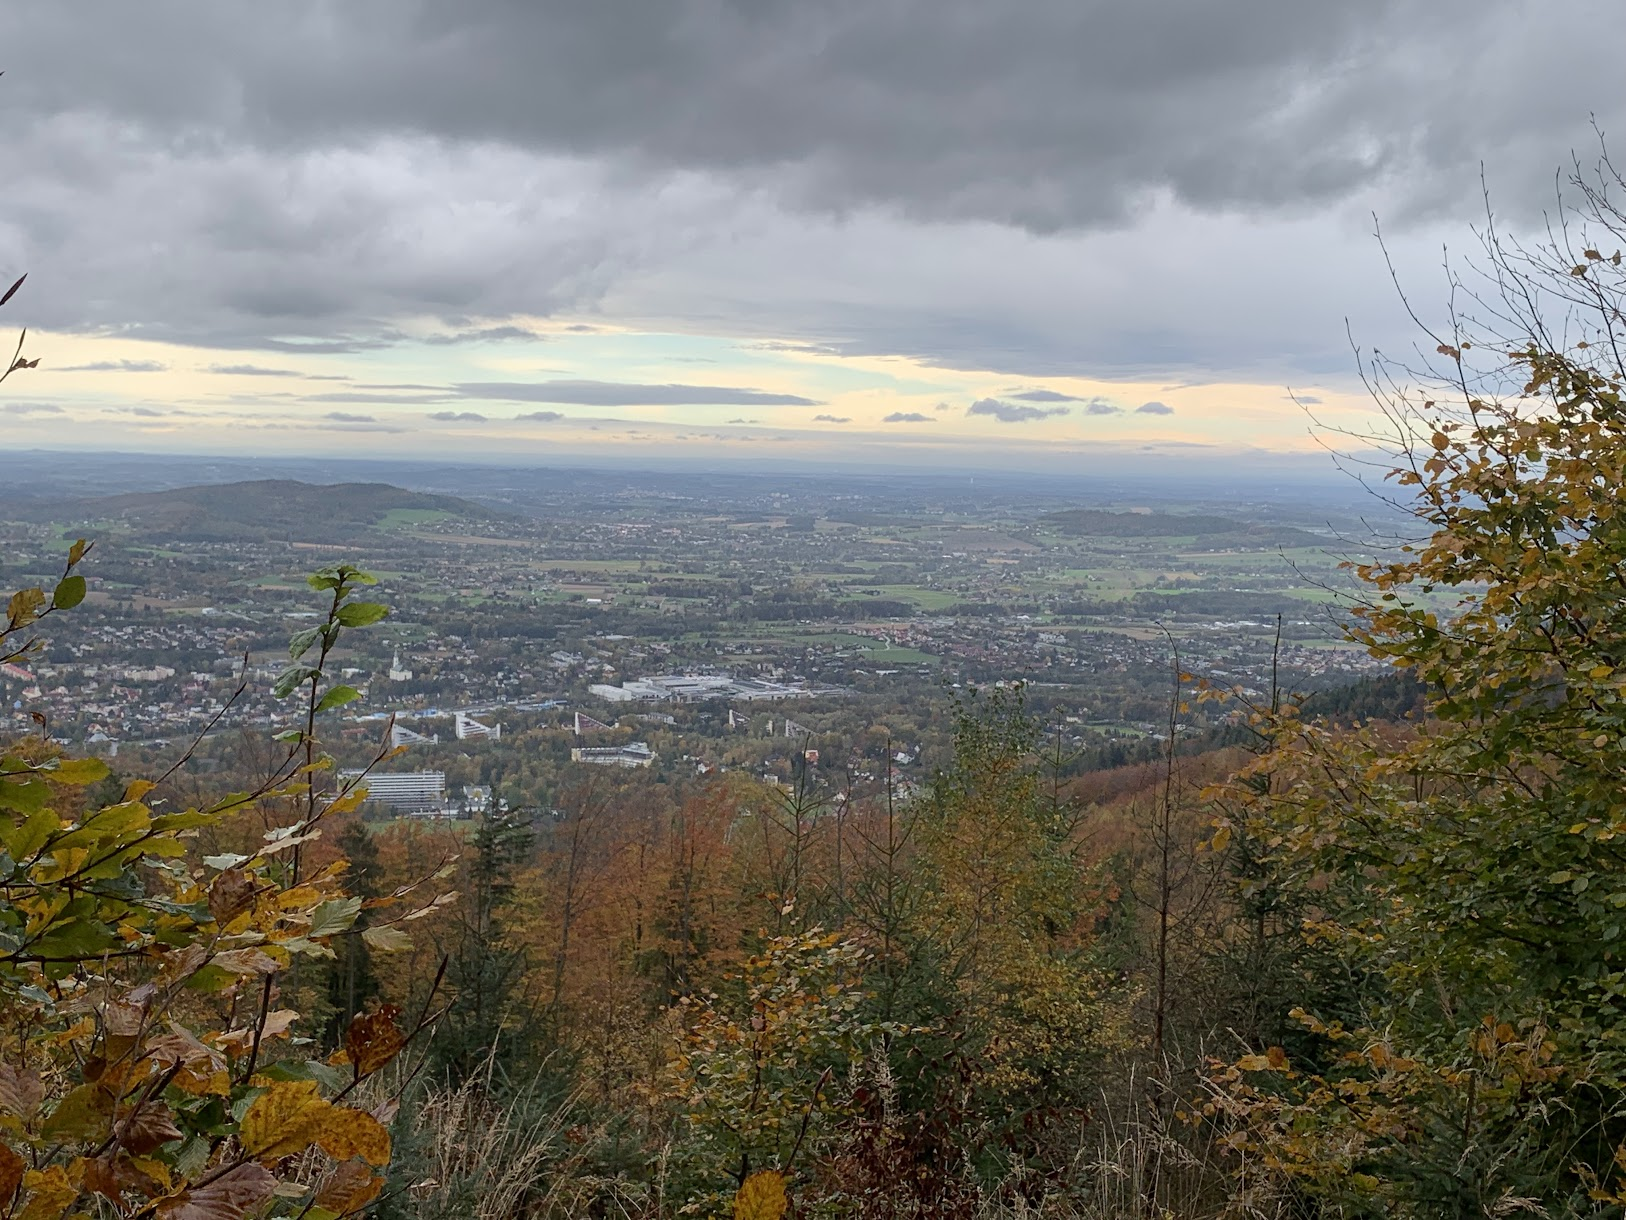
410 792
470 729
637 754
693 688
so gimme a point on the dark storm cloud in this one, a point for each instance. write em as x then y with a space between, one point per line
623 394
906 417
935 106
1011 412
301 177
1154 408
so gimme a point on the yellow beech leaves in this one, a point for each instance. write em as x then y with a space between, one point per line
762 1197
290 1116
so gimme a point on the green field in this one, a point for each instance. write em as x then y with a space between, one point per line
923 599
399 518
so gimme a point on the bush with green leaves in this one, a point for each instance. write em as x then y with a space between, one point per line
147 1064
1468 871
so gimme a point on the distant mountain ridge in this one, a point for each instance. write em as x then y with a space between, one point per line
258 509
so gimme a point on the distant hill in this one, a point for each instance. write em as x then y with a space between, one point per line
262 509
1100 523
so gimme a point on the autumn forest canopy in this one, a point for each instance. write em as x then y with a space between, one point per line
1358 959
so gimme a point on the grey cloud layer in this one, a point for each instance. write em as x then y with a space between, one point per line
251 370
118 366
299 178
936 106
1012 412
624 394
1045 396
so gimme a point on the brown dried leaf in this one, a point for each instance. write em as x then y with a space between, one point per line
122 1019
230 894
373 1039
11 1175
115 1176
277 1023
352 1186
246 961
20 1090
186 963
147 1127
179 1045
226 1198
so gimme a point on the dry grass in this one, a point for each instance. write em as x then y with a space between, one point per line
471 1157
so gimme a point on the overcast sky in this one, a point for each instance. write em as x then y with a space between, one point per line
963 231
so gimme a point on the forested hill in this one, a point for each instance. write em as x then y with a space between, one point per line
263 508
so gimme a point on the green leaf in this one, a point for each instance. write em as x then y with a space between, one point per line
84 1114
25 840
291 678
386 939
107 825
209 979
335 916
331 1078
78 770
69 592
170 822
74 939
25 797
362 614
338 696
301 641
